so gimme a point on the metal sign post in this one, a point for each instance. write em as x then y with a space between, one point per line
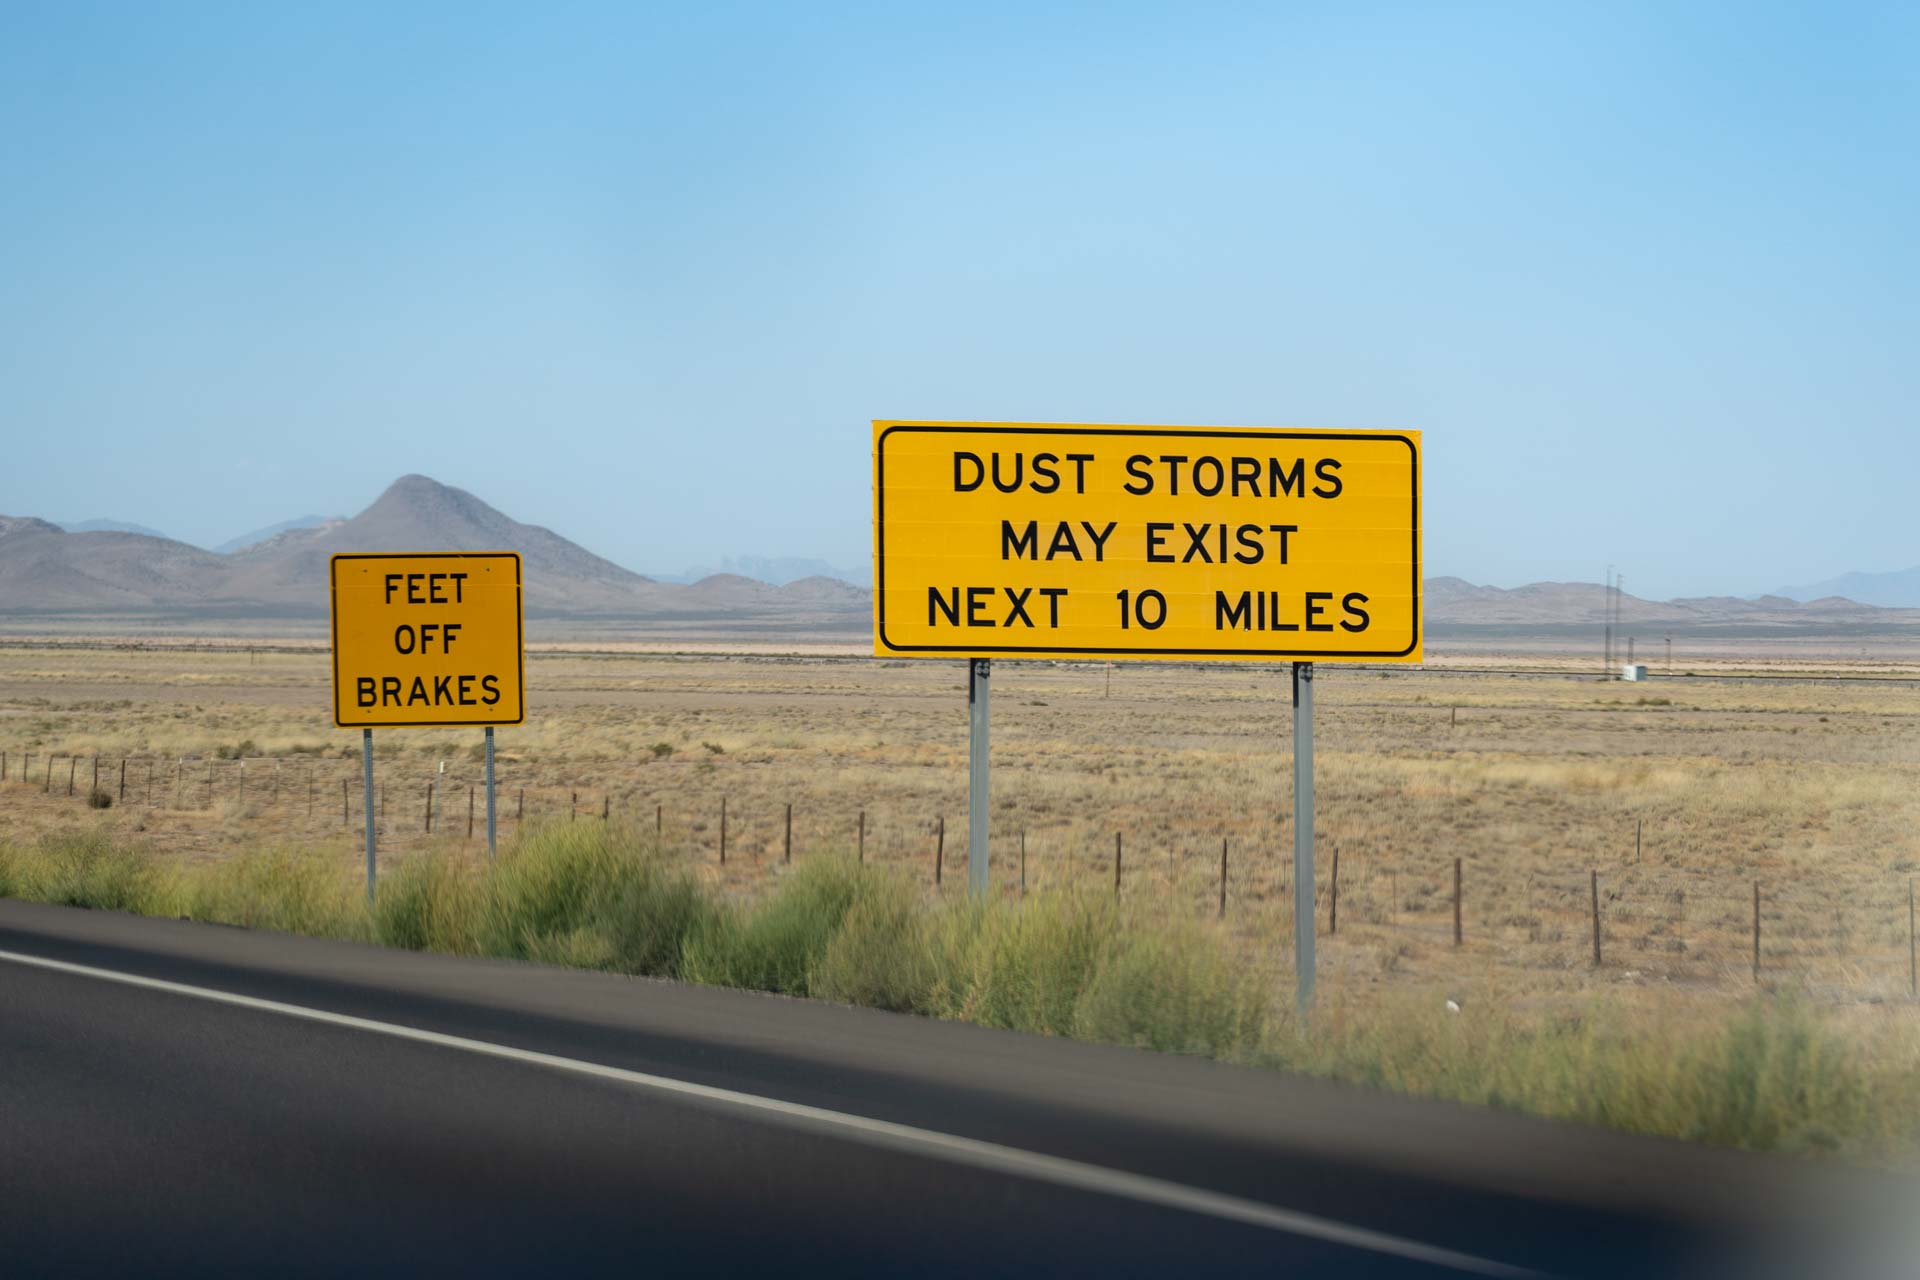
492 848
978 670
366 771
1303 833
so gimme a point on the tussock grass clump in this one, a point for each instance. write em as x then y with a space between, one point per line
290 890
1170 990
428 903
85 869
777 944
1025 969
882 955
587 896
1777 1079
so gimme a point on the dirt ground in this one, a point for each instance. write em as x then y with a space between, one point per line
1667 802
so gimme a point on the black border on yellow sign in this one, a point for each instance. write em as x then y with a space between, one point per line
1265 433
333 633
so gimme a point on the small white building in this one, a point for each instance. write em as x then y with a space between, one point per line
1634 671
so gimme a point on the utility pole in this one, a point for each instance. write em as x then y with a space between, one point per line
1619 600
1606 612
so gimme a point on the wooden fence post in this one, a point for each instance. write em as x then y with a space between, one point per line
1456 902
1023 862
1223 877
939 851
1333 894
787 856
1756 933
343 800
606 807
123 780
429 806
469 811
149 786
520 806
73 765
723 831
659 821
1594 885
863 837
573 805
1637 823
1116 863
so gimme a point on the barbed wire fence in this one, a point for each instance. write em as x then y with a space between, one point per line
1844 935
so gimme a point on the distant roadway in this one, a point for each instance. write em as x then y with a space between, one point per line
182 1098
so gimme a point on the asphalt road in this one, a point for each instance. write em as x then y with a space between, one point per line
187 1098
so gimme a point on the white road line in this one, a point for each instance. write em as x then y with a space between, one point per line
971 1152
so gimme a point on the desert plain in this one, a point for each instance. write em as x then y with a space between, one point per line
1657 808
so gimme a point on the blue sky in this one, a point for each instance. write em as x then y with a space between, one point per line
1645 276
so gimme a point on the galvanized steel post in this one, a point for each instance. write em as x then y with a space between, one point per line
1303 833
366 773
492 845
977 820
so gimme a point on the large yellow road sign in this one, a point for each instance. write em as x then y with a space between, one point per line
427 640
1050 540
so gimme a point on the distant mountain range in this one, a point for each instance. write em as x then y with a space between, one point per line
1458 604
46 570
1897 590
774 570
281 572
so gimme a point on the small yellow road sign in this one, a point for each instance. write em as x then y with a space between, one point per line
429 639
1190 543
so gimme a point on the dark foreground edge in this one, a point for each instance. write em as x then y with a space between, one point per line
160 1129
